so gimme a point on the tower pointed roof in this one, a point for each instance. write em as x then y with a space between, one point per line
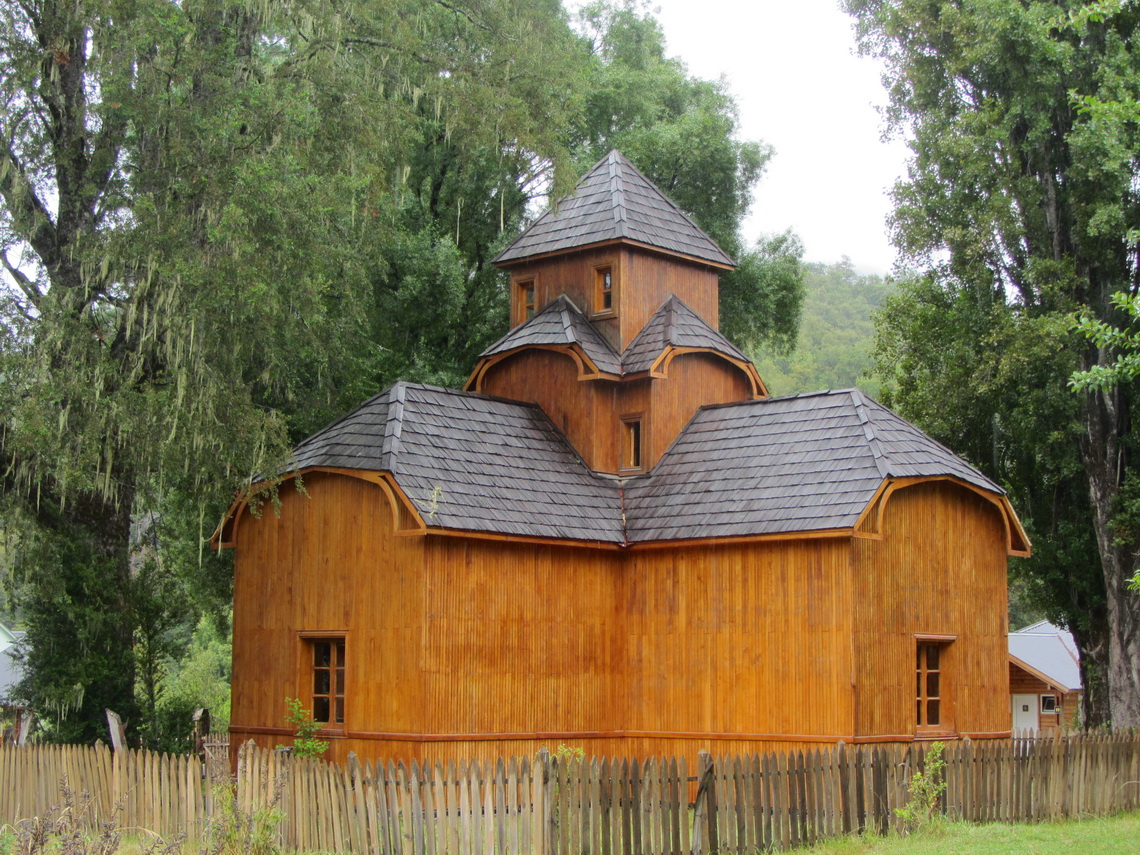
615 201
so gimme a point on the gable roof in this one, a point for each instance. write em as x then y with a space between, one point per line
474 463
780 465
674 325
1050 651
615 201
560 323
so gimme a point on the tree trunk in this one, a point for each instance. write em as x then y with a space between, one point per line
1092 645
1103 455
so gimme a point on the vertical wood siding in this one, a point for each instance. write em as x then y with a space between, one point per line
589 412
940 569
658 277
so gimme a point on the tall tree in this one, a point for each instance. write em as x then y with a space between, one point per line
191 194
1019 205
682 132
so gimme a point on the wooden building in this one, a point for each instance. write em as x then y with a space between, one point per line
614 538
1044 678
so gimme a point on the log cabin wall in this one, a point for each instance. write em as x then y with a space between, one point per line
643 280
589 412
939 570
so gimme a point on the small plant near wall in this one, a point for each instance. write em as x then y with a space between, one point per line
565 753
924 792
305 742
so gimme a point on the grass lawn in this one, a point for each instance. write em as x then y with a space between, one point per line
1094 836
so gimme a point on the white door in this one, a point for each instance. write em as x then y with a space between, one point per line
1025 712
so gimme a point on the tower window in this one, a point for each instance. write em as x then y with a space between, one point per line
524 301
631 439
603 290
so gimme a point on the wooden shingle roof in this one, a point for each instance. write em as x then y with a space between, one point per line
474 463
615 201
780 465
560 323
674 325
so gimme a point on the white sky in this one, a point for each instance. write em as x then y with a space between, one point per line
801 87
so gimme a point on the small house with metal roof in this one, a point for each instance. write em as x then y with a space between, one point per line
1044 678
614 538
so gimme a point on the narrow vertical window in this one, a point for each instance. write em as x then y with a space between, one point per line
524 301
631 439
328 681
603 290
928 685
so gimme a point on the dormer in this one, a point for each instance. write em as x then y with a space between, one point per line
614 313
618 248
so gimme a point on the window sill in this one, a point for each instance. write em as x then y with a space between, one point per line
933 735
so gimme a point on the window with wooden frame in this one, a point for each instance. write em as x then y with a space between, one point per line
631 444
604 290
930 687
524 301
326 658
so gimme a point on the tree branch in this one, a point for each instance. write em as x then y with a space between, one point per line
30 217
25 284
470 19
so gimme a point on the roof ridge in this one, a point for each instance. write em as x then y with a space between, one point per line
567 326
877 451
617 190
393 424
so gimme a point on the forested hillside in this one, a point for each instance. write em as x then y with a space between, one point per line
837 333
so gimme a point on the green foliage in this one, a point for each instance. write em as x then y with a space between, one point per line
567 753
1019 210
224 224
1086 836
924 792
836 334
200 204
305 742
681 131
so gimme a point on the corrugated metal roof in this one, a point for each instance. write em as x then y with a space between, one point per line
780 465
614 200
1050 650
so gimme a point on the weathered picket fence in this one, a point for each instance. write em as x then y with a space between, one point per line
562 806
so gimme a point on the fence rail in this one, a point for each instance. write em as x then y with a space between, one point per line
554 806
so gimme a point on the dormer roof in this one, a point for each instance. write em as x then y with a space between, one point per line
674 325
673 329
560 323
614 201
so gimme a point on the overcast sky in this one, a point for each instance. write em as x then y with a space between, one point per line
792 66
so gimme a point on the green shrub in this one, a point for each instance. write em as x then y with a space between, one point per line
924 793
